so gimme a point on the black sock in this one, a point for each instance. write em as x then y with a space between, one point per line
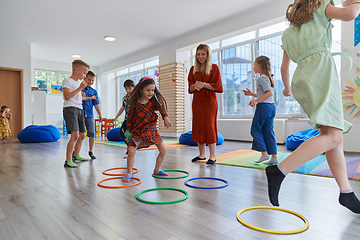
274 177
350 201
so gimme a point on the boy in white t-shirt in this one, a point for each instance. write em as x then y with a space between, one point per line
73 111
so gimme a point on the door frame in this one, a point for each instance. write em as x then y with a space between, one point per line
21 90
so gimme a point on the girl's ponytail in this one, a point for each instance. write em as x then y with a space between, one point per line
265 65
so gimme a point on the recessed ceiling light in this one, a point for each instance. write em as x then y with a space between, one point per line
76 56
109 38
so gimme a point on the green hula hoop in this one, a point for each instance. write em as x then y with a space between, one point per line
164 177
169 202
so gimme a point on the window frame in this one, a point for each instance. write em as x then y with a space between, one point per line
56 75
126 72
302 113
254 53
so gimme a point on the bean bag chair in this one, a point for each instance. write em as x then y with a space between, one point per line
185 139
113 134
294 140
39 133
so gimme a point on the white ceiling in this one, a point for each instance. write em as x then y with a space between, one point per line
58 29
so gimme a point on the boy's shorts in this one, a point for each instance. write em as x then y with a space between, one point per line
74 119
90 126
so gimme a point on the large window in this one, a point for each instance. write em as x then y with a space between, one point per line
271 47
62 76
237 73
235 57
236 76
120 90
135 73
47 78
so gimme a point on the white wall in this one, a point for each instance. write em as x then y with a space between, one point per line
167 51
107 95
55 66
271 12
351 139
17 54
44 113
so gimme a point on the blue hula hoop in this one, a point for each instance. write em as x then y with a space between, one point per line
212 178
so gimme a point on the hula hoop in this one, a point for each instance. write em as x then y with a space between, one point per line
118 174
219 179
273 231
125 186
154 189
164 177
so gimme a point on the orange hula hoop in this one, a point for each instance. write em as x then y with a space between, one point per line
118 174
124 186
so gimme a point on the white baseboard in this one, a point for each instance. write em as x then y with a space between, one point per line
239 129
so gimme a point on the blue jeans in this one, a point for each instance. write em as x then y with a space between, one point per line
262 128
90 126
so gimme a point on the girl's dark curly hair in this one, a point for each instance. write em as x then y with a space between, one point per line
3 108
158 100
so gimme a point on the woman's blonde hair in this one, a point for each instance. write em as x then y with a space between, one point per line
208 63
265 66
302 11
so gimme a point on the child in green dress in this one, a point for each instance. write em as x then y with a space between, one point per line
316 86
5 116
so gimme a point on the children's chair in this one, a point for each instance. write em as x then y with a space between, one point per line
97 127
64 128
106 125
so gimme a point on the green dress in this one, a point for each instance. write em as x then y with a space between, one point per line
315 84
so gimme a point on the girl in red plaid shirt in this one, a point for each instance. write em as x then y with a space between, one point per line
144 100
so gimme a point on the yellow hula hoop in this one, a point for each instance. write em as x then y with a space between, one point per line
304 228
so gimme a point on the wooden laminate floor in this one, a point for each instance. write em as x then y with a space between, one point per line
40 199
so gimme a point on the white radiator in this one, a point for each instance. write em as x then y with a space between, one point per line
239 129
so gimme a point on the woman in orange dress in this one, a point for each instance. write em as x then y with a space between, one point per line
204 82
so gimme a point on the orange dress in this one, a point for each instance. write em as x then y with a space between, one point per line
204 106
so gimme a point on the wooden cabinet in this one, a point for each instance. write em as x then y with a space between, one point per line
47 109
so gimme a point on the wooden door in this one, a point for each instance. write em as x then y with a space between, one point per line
11 94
